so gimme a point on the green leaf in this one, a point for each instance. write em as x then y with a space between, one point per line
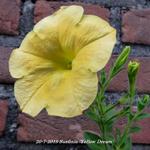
142 116
109 126
126 110
134 129
92 115
114 114
120 62
110 110
125 143
118 134
103 76
88 136
110 116
141 105
110 137
143 102
123 140
131 116
123 99
146 99
128 144
91 136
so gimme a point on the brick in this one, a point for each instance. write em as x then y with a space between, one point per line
143 136
4 71
3 115
135 26
50 128
120 82
44 8
9 16
44 127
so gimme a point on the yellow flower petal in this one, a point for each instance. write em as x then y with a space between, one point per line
75 93
62 93
69 14
26 87
37 46
69 18
53 28
95 55
21 63
89 29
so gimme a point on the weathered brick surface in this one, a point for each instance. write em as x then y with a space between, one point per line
9 16
45 127
4 71
44 8
144 136
52 128
120 82
3 115
135 26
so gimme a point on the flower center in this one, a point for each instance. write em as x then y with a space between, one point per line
63 64
63 61
69 65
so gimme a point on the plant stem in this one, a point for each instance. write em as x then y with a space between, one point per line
130 122
101 114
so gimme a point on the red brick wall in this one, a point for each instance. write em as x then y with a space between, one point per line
131 18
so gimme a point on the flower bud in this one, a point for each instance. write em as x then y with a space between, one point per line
120 61
133 68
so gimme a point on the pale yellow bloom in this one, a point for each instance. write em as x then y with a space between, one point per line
57 62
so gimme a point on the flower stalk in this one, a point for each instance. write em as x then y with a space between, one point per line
108 114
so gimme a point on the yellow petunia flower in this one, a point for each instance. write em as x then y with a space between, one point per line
57 63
